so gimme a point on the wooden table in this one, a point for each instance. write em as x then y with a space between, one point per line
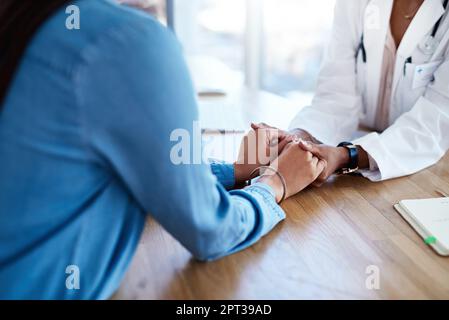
332 236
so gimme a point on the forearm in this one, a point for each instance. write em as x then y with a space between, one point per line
258 201
343 158
393 156
237 221
232 175
363 158
225 173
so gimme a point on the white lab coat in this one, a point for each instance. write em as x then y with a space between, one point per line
348 89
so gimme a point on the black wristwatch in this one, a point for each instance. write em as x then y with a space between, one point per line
353 164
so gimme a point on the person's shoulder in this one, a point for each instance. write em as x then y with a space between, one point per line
61 41
108 22
105 16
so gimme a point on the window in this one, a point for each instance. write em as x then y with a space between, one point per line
161 9
274 45
295 33
212 33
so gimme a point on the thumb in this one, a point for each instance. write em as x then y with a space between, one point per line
279 138
282 144
283 135
261 125
255 126
307 146
321 166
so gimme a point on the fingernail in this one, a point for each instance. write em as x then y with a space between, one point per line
297 139
273 142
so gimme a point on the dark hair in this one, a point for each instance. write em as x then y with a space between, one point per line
19 21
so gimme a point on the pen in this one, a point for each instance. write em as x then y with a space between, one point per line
409 60
221 131
442 193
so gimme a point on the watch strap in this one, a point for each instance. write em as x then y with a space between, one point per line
353 164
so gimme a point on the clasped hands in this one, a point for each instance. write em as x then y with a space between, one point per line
297 156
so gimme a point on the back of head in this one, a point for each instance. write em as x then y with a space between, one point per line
20 19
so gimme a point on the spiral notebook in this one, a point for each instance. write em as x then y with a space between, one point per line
430 219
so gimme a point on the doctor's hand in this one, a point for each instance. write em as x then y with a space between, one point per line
299 169
298 134
336 158
258 148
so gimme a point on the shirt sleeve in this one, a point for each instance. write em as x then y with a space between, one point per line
225 173
138 112
418 139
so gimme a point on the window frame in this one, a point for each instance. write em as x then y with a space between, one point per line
254 39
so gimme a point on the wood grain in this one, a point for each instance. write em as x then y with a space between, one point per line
321 251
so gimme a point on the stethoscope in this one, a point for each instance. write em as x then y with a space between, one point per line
427 47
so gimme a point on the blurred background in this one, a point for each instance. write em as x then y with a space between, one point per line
271 45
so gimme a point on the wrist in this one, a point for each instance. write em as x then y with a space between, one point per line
363 158
343 157
242 172
239 173
274 183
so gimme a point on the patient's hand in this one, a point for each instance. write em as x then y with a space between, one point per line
336 158
296 134
259 148
298 167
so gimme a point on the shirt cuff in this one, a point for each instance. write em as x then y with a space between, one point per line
369 144
224 173
372 164
270 212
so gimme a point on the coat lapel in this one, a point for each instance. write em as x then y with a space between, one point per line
423 23
376 25
421 26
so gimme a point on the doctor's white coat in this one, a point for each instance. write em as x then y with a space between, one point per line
348 89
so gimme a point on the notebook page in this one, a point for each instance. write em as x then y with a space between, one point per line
433 215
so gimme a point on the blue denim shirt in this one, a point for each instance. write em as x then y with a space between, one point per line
85 155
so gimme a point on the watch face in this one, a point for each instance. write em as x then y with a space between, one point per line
349 171
354 157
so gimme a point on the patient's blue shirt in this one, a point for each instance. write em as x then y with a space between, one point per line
85 155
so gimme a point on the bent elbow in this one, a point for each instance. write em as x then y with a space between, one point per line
205 253
203 256
206 246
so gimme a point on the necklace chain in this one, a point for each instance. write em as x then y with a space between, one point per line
410 15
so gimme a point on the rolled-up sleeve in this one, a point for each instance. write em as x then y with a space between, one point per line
225 173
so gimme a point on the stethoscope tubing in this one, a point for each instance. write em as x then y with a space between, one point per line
361 48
